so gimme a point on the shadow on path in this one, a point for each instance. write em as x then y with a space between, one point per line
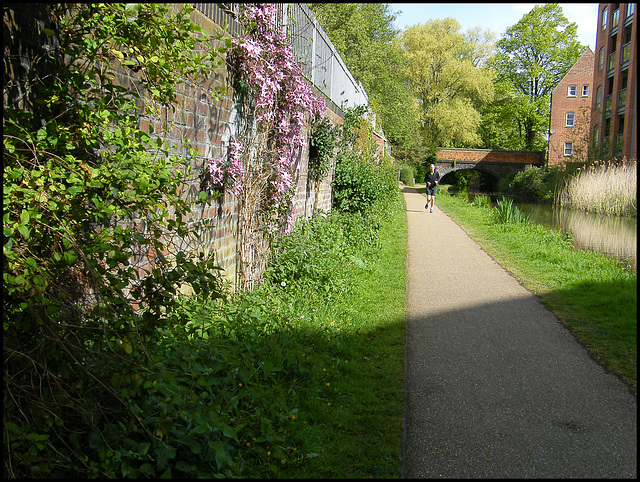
495 385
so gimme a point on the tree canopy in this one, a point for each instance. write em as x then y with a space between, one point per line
446 73
433 85
532 57
364 35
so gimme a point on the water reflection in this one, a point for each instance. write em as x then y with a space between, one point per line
613 235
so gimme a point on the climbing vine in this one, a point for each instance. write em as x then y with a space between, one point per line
262 165
322 143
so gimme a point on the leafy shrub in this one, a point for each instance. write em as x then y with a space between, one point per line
317 257
322 142
533 184
420 172
86 193
311 258
358 185
361 179
221 404
407 175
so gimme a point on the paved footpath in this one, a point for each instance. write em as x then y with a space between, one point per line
495 386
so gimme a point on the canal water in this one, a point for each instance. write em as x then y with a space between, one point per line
615 236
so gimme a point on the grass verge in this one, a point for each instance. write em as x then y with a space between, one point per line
594 295
354 421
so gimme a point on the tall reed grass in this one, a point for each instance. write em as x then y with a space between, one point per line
506 212
604 188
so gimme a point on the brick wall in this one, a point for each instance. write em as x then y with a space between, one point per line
490 155
580 75
209 124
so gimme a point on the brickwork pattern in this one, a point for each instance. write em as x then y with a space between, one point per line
489 155
498 163
580 75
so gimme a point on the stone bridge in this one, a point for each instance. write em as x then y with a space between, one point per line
491 161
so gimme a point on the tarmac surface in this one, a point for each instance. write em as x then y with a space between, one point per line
495 385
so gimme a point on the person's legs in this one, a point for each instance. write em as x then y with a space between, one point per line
429 200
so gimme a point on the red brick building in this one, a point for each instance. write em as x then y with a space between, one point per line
613 112
571 113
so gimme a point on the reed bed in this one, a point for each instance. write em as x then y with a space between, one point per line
604 187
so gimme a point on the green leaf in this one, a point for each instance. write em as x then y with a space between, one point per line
164 453
220 453
147 469
24 231
229 432
24 217
70 257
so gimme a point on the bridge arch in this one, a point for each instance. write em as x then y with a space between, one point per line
448 170
497 163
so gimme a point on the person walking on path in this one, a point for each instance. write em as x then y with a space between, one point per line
495 385
431 179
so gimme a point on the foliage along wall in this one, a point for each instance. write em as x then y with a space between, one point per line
266 135
210 124
209 120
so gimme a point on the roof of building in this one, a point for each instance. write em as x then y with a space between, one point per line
588 53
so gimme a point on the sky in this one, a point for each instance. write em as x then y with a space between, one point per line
497 17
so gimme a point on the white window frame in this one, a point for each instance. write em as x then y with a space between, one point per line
585 90
605 15
568 149
573 88
570 119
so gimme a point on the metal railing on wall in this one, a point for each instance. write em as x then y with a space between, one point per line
317 57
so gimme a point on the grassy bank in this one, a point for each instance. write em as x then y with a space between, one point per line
309 366
354 421
594 295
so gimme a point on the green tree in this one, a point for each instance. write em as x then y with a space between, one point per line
447 74
364 35
532 57
502 126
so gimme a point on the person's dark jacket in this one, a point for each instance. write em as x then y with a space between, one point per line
432 177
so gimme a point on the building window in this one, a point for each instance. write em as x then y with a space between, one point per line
598 97
630 9
572 91
571 117
605 14
614 18
596 135
585 91
568 148
601 59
